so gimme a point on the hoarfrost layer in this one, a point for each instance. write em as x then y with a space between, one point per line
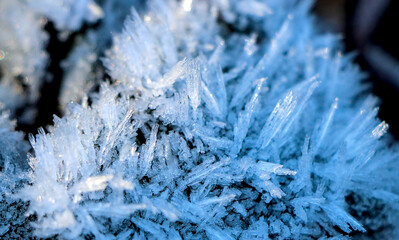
13 168
225 121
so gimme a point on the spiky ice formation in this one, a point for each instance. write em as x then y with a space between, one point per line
81 66
208 133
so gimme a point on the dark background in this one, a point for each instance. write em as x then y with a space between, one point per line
368 24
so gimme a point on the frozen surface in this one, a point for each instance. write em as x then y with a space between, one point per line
223 120
13 167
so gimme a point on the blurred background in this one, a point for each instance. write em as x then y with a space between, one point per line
368 28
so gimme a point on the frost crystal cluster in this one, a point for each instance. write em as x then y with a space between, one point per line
218 120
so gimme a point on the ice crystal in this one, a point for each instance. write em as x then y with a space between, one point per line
81 62
222 120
